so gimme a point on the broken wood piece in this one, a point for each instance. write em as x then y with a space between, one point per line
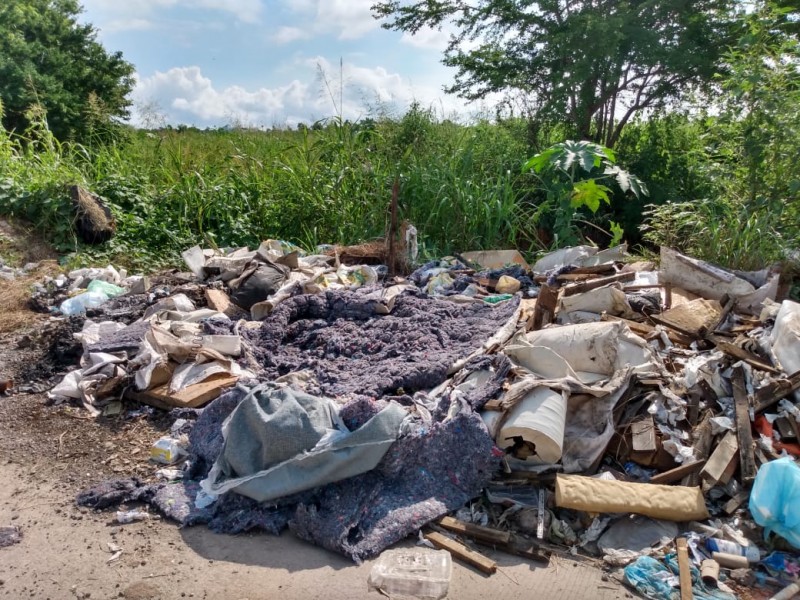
461 552
772 393
545 310
740 353
192 396
677 473
586 286
744 432
718 467
684 570
728 303
500 540
692 318
221 302
785 428
647 331
702 437
476 532
732 505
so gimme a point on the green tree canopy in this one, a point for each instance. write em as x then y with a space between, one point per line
50 60
592 64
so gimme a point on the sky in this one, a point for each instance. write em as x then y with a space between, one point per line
270 63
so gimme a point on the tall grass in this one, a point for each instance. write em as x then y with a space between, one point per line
170 189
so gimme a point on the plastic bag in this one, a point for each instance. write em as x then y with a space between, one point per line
109 289
775 498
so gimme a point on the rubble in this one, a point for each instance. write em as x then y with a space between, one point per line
546 405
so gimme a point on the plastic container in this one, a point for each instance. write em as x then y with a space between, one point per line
726 547
417 572
166 451
78 304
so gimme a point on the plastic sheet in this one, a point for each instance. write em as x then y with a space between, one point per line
775 498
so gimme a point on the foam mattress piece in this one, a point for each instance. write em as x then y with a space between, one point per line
667 502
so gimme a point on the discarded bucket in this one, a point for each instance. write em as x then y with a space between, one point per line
539 419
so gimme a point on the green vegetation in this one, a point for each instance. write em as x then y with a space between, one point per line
51 64
718 180
590 65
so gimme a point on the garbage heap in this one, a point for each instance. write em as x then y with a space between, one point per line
587 404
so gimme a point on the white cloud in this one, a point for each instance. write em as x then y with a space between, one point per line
120 12
346 19
187 96
286 35
428 38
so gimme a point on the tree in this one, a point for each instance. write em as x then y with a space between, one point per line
50 61
592 64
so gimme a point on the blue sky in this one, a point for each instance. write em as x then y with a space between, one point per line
258 62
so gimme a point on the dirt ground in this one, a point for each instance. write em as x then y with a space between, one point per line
49 453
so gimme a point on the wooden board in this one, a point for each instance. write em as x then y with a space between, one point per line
769 395
744 433
545 310
717 468
586 286
742 354
693 318
684 571
192 396
476 532
678 473
462 553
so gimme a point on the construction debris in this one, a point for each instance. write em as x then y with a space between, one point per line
541 406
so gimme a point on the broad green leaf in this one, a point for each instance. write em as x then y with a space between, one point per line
588 193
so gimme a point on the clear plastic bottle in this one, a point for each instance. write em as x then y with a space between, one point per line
78 304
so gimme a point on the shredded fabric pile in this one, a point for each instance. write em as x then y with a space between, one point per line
444 457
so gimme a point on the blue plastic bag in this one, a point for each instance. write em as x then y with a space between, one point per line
775 499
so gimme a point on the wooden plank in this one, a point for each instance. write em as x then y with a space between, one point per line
476 532
784 427
744 432
586 286
646 330
769 395
740 353
545 310
725 454
692 318
499 540
684 571
461 552
191 396
728 304
701 438
735 502
678 473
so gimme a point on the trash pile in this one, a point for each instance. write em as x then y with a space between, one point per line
582 405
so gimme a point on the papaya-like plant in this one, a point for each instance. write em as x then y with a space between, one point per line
572 175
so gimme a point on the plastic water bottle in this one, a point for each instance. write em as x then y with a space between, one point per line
78 304
749 552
